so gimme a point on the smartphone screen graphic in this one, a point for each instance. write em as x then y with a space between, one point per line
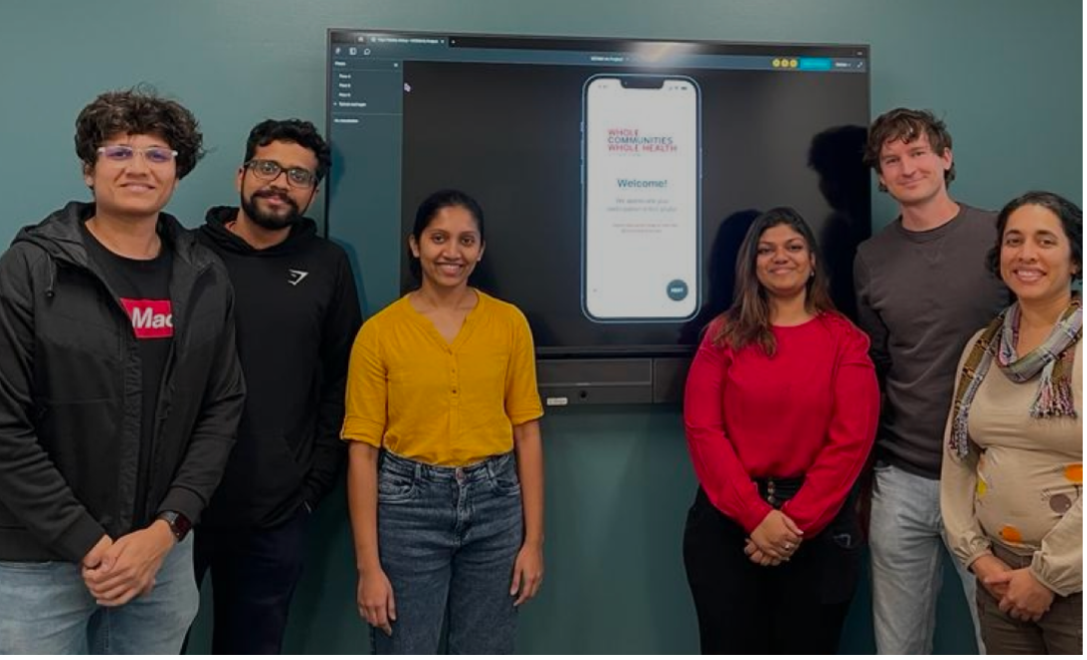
641 188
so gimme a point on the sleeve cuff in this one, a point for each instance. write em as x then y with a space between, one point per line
77 540
525 416
1037 570
183 501
754 515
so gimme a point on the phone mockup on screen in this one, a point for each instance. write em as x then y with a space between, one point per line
641 198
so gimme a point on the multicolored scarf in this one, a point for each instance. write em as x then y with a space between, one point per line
1053 359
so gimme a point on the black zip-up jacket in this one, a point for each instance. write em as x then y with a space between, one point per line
70 393
297 315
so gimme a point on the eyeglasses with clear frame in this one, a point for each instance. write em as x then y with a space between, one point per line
121 153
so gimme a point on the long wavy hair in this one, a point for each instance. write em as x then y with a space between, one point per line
748 320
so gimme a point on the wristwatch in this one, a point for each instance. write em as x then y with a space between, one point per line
179 524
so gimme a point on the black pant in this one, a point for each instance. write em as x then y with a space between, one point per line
253 574
797 607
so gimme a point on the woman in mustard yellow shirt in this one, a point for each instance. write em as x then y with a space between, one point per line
445 477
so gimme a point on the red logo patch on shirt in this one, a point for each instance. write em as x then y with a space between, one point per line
151 319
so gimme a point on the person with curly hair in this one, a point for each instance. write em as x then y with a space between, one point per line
120 394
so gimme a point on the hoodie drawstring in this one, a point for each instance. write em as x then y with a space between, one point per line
49 289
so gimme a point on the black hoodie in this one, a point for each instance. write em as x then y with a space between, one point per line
297 315
71 393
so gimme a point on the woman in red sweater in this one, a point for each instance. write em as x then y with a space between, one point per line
780 409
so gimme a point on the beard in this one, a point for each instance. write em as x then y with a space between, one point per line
271 220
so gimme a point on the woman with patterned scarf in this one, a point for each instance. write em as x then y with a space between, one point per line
1013 466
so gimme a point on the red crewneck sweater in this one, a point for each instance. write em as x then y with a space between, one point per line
811 410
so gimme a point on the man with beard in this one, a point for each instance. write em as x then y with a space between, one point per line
297 314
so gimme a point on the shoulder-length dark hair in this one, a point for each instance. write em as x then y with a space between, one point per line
748 320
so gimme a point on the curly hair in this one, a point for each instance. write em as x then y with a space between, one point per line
139 111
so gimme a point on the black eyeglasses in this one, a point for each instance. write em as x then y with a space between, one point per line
269 170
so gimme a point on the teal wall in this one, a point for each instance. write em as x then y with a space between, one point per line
1006 74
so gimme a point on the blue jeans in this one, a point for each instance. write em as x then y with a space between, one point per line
447 539
45 608
907 542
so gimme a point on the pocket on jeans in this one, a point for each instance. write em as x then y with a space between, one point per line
506 483
394 488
